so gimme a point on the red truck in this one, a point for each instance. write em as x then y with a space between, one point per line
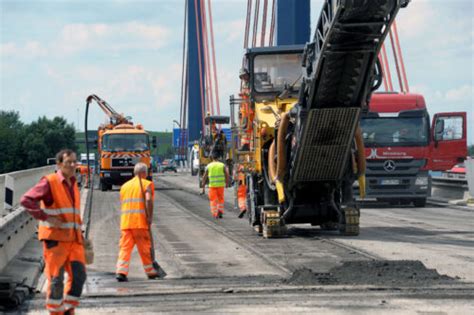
401 147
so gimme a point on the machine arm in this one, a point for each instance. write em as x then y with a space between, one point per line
115 118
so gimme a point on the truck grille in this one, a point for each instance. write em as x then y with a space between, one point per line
325 144
403 167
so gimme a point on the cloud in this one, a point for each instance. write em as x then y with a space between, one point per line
230 31
8 49
105 38
74 38
29 49
416 19
462 93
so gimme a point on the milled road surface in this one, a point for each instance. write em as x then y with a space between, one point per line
225 267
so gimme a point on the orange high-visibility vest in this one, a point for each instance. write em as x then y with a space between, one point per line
133 215
64 209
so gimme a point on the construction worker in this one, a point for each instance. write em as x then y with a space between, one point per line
219 144
60 231
246 112
84 172
241 192
218 175
136 199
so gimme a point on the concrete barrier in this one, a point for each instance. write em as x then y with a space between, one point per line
2 193
16 228
470 177
21 182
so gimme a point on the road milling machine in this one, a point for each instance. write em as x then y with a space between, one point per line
214 141
120 145
299 142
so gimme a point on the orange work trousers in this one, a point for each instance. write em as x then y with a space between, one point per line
141 238
242 197
60 257
216 199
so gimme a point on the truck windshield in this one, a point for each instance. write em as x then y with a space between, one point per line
396 131
125 142
272 72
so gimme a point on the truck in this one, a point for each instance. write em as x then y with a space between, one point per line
402 147
306 149
120 145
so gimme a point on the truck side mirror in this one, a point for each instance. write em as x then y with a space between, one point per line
438 130
153 141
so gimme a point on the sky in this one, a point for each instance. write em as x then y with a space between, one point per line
53 54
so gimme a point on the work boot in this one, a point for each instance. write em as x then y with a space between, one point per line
121 277
242 213
219 215
69 312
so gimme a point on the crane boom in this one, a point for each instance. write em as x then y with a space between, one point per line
115 118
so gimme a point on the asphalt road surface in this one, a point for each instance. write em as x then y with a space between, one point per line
405 261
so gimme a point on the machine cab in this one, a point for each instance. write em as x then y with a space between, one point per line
269 71
448 140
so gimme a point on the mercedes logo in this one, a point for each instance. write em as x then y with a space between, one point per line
389 165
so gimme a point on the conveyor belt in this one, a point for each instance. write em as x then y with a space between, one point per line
338 74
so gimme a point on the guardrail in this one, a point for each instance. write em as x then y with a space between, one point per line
16 226
470 176
17 230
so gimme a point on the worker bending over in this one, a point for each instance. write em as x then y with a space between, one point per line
218 175
60 231
136 199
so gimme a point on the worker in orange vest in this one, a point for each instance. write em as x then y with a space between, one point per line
246 111
84 171
245 115
136 199
241 192
218 176
60 231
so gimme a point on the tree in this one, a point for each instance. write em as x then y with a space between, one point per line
44 138
11 138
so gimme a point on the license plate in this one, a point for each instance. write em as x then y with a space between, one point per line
125 174
390 182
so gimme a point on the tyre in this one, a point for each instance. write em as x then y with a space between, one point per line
252 208
102 186
193 171
419 203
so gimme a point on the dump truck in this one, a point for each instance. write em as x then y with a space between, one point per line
121 145
300 144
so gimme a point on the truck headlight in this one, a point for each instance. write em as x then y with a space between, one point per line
420 181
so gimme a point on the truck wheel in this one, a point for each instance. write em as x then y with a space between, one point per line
253 211
103 186
193 171
419 203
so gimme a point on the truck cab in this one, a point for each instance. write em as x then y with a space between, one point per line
402 147
121 148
